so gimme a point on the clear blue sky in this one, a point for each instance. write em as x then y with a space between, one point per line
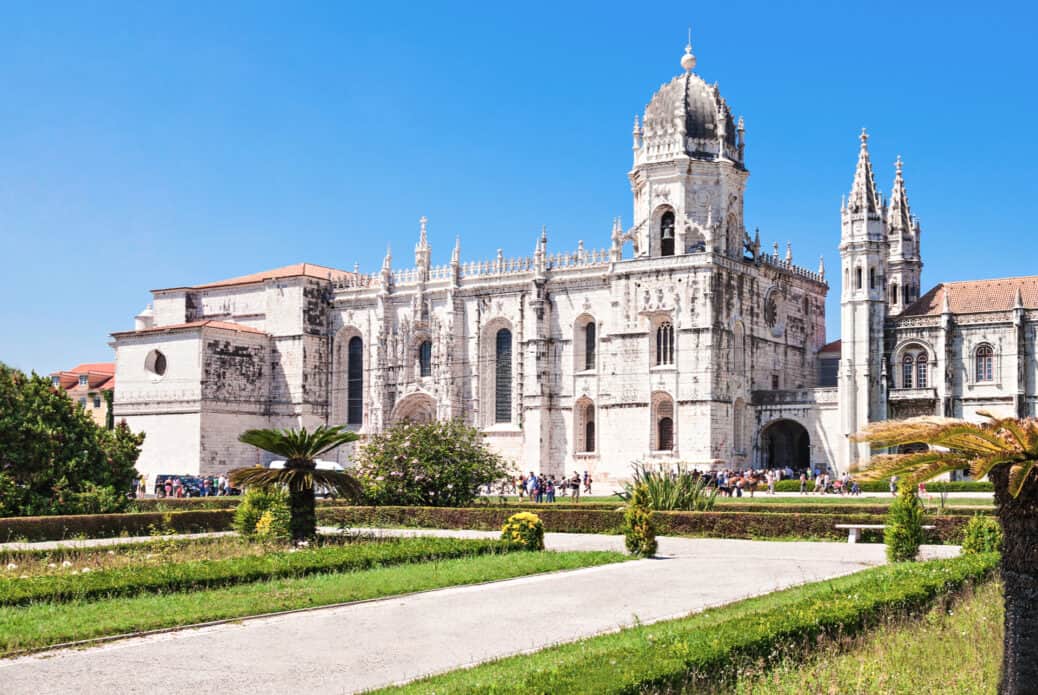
147 145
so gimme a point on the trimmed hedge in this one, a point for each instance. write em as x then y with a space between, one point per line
203 574
711 648
884 486
55 528
765 508
709 524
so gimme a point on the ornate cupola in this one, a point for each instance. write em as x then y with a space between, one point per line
689 173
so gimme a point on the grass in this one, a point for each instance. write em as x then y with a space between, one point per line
44 624
952 649
691 654
348 554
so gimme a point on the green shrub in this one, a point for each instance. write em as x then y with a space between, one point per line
257 501
718 524
639 528
904 532
275 524
524 530
55 528
884 486
199 574
983 534
435 464
667 490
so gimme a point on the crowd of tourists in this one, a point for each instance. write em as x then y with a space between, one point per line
548 488
177 486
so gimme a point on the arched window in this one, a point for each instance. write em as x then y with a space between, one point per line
425 358
589 427
985 363
920 371
667 234
663 436
857 278
503 376
665 343
872 278
589 345
738 409
738 348
893 293
907 364
355 381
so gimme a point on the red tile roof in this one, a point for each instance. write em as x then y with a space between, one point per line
98 367
835 346
309 270
100 375
223 325
975 296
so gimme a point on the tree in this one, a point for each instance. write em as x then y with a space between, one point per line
1005 450
54 459
434 464
300 475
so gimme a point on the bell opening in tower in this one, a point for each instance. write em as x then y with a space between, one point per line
667 234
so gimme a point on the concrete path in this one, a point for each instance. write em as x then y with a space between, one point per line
71 544
362 646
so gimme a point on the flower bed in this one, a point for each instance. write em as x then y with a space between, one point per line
709 648
718 524
52 528
184 576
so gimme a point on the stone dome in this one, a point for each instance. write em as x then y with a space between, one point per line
690 115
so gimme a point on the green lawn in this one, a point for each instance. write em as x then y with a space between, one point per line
950 650
42 624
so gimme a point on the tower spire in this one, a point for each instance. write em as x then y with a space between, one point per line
688 61
864 196
899 214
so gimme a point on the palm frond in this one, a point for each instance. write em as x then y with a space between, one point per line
295 478
1018 475
299 444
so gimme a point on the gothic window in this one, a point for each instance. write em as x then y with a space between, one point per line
893 293
985 363
355 381
774 382
738 348
920 371
665 343
425 358
872 278
663 434
737 425
857 278
589 345
667 234
503 376
770 310
907 368
585 426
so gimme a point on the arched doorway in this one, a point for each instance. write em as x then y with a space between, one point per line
418 408
785 444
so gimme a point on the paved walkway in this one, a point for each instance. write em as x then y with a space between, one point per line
352 648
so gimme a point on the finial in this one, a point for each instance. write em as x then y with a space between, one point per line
456 253
897 165
356 268
789 252
637 125
864 137
422 221
821 267
688 61
946 305
1019 299
544 234
741 127
774 252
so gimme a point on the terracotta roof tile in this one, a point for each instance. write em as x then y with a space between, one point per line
835 346
223 325
975 296
309 270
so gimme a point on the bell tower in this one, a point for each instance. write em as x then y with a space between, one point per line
689 174
864 253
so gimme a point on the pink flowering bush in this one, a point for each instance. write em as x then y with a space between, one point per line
435 464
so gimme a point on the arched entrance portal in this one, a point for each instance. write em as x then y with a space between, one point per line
418 408
785 443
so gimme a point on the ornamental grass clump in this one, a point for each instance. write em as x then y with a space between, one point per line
904 532
983 534
524 530
668 490
639 528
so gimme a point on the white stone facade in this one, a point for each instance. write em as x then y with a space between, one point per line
681 341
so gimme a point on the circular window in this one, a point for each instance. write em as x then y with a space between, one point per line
155 363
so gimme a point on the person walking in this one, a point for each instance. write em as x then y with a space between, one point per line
803 483
587 483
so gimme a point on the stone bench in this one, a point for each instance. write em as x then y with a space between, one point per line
854 530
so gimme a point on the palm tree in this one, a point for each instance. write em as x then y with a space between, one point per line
1005 450
299 448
